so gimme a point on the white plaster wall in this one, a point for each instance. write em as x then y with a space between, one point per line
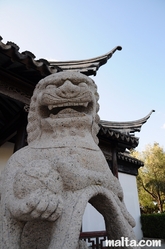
93 221
129 185
6 150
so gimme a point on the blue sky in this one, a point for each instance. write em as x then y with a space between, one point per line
132 83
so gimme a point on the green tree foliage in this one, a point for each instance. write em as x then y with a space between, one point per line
151 178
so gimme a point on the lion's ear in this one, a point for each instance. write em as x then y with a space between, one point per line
95 128
33 127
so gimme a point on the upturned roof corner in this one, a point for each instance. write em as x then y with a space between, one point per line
87 67
129 127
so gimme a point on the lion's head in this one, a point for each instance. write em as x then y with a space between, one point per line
65 99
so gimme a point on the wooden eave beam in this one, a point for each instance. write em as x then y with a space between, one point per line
10 130
120 146
15 88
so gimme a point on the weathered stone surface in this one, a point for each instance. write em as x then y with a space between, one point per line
47 184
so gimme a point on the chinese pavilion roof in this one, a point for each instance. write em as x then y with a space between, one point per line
25 62
124 132
19 74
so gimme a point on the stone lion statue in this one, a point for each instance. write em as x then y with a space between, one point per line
47 184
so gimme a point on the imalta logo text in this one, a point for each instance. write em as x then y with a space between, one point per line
125 242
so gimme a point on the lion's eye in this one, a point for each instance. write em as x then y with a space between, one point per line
51 87
82 84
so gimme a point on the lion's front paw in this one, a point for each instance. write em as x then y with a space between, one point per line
38 205
49 207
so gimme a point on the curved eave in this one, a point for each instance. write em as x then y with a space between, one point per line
122 140
88 66
130 159
11 50
127 158
44 67
126 127
126 163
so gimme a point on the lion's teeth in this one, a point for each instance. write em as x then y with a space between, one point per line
50 107
85 104
59 105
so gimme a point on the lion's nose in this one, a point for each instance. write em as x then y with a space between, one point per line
68 90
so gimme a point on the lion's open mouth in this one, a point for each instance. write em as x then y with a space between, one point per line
66 110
